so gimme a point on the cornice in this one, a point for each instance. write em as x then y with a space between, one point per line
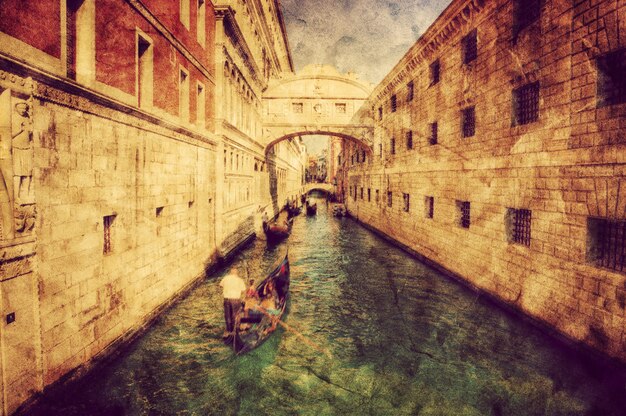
283 29
156 23
453 19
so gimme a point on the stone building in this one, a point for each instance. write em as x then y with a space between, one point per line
499 153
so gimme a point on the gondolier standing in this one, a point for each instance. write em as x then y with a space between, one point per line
234 287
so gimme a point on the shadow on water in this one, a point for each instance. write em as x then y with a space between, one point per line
403 340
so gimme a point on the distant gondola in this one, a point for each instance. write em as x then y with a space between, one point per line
262 319
293 211
311 209
278 231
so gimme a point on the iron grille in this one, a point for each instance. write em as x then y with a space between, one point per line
394 103
410 91
435 70
527 103
406 199
409 139
430 207
361 192
465 214
521 226
470 47
609 243
393 146
469 122
526 12
108 223
433 133
369 194
611 79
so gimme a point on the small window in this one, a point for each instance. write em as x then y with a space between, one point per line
394 103
201 25
435 72
377 198
389 199
184 12
409 139
526 104
464 213
525 13
380 150
406 201
380 113
297 108
159 211
361 192
606 243
611 79
410 91
429 204
200 106
145 74
470 47
184 95
340 108
468 122
392 146
369 194
517 223
433 133
107 222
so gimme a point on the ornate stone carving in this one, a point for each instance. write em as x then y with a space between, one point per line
22 151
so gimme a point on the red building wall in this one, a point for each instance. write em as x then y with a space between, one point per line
35 22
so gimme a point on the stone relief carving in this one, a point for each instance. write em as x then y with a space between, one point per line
22 150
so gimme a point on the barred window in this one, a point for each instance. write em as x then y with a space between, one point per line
406 200
526 104
377 196
434 72
107 221
464 211
433 133
606 243
518 226
380 149
340 108
297 107
392 145
389 199
525 13
470 47
394 103
380 113
369 194
361 192
429 205
611 79
409 139
468 122
410 91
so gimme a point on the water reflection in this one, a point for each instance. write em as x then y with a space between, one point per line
386 336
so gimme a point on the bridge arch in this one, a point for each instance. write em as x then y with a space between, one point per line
361 142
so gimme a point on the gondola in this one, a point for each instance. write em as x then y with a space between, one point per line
293 211
278 231
262 320
311 209
339 210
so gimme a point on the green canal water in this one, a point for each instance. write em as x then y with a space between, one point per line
384 335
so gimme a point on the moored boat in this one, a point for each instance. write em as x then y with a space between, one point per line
311 209
276 231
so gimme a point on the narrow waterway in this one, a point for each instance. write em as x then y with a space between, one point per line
385 335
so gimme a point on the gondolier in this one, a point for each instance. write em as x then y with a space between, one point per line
233 287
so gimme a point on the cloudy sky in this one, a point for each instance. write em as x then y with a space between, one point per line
364 36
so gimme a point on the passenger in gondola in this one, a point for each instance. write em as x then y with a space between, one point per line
252 298
269 304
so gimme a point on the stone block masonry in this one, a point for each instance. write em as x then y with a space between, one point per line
544 152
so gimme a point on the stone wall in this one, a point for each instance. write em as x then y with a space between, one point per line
566 167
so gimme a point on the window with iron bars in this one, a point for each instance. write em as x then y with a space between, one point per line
107 222
525 13
392 145
611 79
380 150
464 211
433 133
361 192
470 47
394 103
377 196
406 200
435 69
410 91
526 104
409 139
369 194
468 122
606 243
389 199
518 226
429 204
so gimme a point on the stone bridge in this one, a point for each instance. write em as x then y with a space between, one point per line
325 187
317 101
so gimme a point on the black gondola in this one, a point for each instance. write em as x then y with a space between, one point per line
311 209
278 231
262 319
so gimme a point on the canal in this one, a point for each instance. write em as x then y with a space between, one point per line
384 335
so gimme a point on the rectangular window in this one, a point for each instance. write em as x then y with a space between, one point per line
434 72
434 132
85 40
464 213
525 13
380 150
392 146
369 195
470 47
184 95
410 91
526 104
517 223
468 122
389 199
107 222
377 198
380 113
611 79
297 108
429 205
340 108
406 201
409 139
145 72
201 26
200 106
606 243
184 12
394 103
361 192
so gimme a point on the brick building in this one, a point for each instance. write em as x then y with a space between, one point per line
499 153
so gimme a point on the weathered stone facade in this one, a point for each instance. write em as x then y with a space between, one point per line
499 140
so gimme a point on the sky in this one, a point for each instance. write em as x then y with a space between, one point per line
364 36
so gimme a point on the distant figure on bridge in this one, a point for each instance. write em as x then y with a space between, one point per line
233 287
